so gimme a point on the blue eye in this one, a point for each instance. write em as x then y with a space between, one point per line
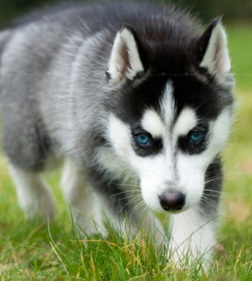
196 137
143 139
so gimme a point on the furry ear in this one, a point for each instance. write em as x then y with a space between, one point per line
125 60
213 50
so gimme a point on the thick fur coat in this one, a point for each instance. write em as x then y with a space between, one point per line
137 98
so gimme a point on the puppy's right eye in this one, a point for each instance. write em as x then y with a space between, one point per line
143 140
144 144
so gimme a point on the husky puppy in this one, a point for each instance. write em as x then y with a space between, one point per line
138 101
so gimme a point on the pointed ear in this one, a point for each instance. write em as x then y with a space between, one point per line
125 60
213 50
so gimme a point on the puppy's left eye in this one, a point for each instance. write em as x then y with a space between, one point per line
196 137
195 141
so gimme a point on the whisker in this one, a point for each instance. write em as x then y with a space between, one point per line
137 207
209 180
211 203
127 185
213 191
209 192
135 200
124 192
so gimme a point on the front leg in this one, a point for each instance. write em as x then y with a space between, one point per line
86 206
192 238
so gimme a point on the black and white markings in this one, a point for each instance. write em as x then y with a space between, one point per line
185 132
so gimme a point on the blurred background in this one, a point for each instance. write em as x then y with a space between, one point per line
238 10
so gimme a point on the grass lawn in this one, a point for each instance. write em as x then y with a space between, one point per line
31 251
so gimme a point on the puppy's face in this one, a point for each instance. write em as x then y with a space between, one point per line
170 149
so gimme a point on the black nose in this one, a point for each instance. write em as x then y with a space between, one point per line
172 200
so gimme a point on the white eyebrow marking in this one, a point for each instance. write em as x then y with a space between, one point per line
152 123
186 121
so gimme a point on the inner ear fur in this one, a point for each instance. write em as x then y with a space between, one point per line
125 58
212 50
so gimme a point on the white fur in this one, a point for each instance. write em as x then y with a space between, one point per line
220 130
216 58
120 136
34 196
124 59
152 123
186 121
157 175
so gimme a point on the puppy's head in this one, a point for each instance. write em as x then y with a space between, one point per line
170 111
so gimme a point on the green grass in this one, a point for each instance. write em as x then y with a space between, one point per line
31 251
240 42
